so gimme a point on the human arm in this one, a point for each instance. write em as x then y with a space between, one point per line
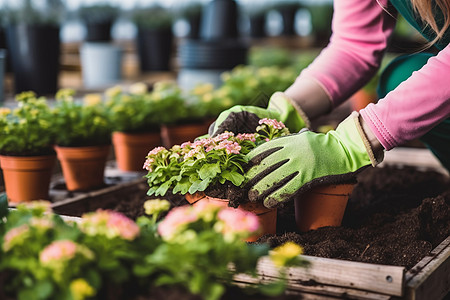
361 30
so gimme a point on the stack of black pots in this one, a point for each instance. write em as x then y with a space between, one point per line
218 48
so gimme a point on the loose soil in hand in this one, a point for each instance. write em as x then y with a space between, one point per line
395 216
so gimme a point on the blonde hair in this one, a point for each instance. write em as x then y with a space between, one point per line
426 8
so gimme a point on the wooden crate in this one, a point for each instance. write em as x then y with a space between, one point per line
324 278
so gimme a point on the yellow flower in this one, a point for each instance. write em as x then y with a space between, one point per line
286 254
65 94
201 89
138 88
4 111
156 206
24 96
80 289
92 99
207 97
113 91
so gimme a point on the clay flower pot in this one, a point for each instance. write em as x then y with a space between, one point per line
130 149
322 206
83 167
267 216
178 134
27 177
361 99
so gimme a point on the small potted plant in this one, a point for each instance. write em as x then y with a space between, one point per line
180 121
98 19
256 15
214 167
83 139
26 148
192 13
101 60
135 120
105 255
33 39
154 37
288 10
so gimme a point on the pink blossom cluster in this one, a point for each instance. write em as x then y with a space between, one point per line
246 137
176 219
57 251
15 236
222 141
110 224
273 123
238 221
234 222
229 146
151 158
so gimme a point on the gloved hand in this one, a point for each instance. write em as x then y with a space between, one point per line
285 167
280 107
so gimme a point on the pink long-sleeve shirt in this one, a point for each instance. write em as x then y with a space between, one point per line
361 29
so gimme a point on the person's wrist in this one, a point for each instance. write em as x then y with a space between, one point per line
308 94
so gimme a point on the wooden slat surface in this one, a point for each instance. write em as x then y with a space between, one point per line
430 278
325 272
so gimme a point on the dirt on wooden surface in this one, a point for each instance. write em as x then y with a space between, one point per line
395 216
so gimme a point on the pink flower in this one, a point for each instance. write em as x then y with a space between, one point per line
58 250
223 136
148 164
155 151
110 224
185 145
176 219
273 123
238 221
229 146
14 236
246 137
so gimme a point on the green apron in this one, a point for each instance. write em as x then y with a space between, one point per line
401 68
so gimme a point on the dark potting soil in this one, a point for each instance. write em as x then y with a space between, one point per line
395 216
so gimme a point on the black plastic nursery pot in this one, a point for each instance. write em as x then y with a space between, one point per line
257 26
98 32
34 51
154 49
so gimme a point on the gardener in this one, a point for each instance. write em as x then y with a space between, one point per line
412 104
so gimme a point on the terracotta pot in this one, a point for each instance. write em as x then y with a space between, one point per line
361 99
322 206
178 134
83 167
27 177
267 216
130 149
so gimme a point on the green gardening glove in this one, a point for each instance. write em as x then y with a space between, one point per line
286 167
280 107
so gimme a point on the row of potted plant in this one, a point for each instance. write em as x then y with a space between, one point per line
194 250
73 128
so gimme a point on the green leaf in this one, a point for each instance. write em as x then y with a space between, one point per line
199 185
233 176
209 171
182 187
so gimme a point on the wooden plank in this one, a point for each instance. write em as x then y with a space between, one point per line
324 272
431 279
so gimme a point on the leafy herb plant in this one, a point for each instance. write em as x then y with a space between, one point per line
80 123
27 129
